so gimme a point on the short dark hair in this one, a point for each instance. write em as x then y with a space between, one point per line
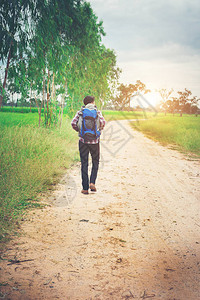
88 99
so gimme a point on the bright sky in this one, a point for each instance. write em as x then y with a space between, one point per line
156 41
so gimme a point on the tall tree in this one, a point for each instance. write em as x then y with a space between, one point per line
127 92
63 54
15 31
165 94
67 48
185 101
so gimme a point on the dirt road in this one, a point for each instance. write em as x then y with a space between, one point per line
138 237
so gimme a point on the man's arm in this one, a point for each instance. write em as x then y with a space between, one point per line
75 121
102 121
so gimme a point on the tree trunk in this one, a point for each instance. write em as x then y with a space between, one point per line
53 87
43 93
48 97
30 97
52 111
39 110
12 101
62 106
6 74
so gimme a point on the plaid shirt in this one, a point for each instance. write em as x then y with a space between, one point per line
102 123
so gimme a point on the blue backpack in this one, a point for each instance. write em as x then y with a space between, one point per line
89 124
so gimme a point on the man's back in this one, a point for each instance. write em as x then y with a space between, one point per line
89 122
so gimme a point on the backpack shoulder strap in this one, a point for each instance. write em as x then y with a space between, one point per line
82 109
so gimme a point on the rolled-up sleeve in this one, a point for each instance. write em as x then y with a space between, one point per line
102 121
75 121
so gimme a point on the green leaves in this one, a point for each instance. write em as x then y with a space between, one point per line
60 37
126 92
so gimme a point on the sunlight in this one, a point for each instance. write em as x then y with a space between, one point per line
153 98
146 100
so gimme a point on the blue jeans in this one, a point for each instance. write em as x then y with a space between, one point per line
84 150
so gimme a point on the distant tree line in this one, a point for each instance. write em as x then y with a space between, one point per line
53 50
184 102
126 94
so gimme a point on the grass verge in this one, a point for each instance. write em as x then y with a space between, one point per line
31 160
110 115
181 131
9 119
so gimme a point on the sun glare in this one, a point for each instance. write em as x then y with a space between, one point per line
153 98
147 100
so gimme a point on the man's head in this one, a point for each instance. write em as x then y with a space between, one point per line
88 99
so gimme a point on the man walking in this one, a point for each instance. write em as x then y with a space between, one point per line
89 122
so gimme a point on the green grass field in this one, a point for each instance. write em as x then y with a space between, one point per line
24 110
128 115
12 119
19 109
183 132
32 160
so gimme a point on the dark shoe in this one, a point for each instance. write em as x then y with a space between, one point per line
85 192
92 187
